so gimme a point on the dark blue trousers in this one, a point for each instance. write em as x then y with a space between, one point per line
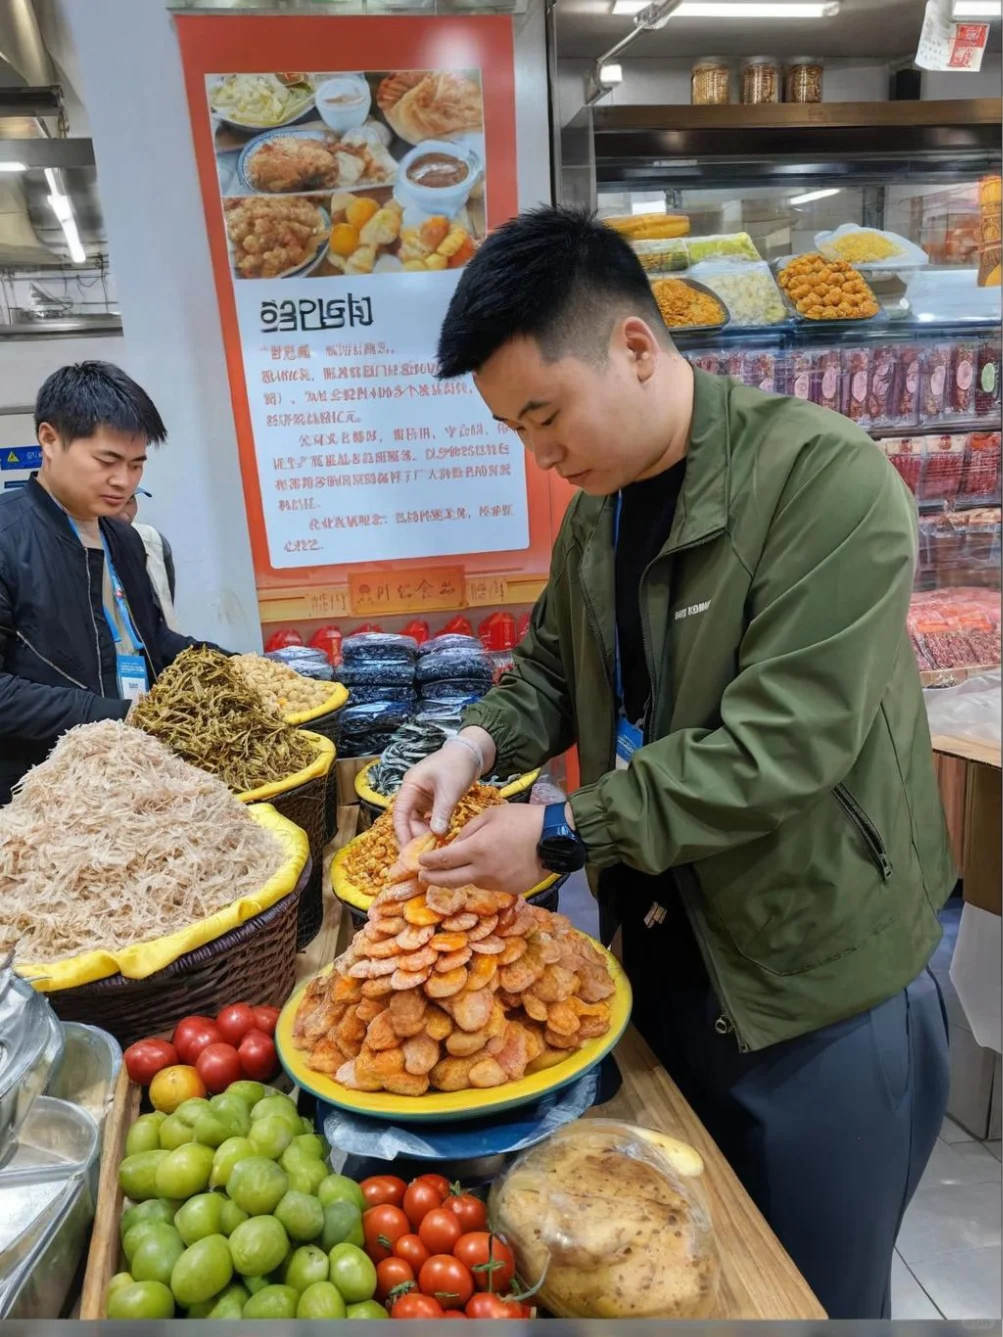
830 1133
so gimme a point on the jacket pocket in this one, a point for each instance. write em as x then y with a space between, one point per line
74 682
866 829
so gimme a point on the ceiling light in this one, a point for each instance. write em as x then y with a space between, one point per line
977 9
610 74
12 167
757 9
814 195
63 209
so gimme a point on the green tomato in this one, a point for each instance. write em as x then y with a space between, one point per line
200 1216
282 1107
304 1266
184 1172
342 1225
353 1272
143 1299
272 1302
212 1129
231 1217
307 1126
270 1135
157 1253
311 1145
135 1235
189 1110
153 1209
258 1245
339 1188
227 1155
230 1304
202 1271
257 1185
249 1092
137 1175
301 1214
144 1135
321 1300
121 1279
367 1309
175 1132
232 1107
255 1284
306 1174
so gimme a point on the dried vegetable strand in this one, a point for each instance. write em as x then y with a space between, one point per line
204 710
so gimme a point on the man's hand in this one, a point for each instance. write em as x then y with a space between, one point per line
431 790
497 851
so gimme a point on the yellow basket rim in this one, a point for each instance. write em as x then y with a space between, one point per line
320 765
334 702
367 794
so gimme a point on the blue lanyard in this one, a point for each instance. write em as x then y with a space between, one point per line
117 590
616 629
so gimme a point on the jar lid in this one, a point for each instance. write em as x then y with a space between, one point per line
803 60
760 60
705 61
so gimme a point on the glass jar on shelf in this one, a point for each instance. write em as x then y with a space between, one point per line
710 82
760 80
803 80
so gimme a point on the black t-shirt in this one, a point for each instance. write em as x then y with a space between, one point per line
646 516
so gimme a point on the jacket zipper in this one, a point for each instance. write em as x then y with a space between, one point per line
55 668
867 830
597 633
90 609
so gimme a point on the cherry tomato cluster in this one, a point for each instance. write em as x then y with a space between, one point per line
434 1255
237 1044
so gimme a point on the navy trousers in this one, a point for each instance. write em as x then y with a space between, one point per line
830 1133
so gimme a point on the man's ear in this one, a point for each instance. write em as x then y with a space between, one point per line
642 346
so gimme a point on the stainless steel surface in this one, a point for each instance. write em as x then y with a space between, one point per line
31 1042
39 1286
43 152
45 329
86 1073
57 1140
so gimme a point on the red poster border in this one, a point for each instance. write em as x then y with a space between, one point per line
249 43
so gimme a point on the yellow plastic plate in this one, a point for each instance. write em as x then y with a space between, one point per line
451 1106
367 794
352 894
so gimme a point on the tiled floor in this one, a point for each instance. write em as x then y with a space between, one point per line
947 1261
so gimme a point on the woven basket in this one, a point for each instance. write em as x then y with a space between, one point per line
326 724
255 963
305 802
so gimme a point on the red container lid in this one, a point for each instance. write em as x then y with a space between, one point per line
328 640
281 638
417 630
458 626
497 632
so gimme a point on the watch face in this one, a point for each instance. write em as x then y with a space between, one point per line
562 853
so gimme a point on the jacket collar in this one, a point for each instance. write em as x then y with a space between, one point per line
50 511
702 509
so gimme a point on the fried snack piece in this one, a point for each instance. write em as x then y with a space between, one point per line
472 1011
378 988
460 923
513 1050
350 1033
438 1024
520 975
453 1074
445 986
380 1033
480 902
325 1056
369 1008
594 984
406 1084
424 959
446 900
369 969
408 1010
401 890
486 1073
412 938
534 1007
346 990
562 1019
388 927
453 960
370 1065
463 1044
409 859
482 972
448 942
556 1041
421 1054
547 1058
381 949
555 984
483 929
416 911
489 946
402 980
348 1076
514 948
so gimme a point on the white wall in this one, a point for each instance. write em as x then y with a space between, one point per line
160 258
24 365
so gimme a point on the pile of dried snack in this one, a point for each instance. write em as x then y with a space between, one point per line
369 858
682 305
824 289
282 689
863 246
649 227
452 989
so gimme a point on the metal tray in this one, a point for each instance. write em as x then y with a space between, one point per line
849 323
700 287
31 1042
86 1073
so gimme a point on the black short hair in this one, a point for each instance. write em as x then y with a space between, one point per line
78 399
557 275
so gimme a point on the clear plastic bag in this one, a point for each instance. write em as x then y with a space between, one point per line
379 647
461 662
613 1220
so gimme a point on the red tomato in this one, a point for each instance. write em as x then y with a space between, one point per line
411 1249
391 1273
439 1231
383 1226
468 1210
420 1199
414 1305
145 1058
489 1259
218 1065
454 1313
440 1183
485 1305
257 1056
234 1022
379 1189
265 1019
447 1279
186 1030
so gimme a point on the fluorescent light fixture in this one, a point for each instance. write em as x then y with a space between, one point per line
12 167
757 9
978 9
813 195
63 209
610 74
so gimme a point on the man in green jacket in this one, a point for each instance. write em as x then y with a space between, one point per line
723 638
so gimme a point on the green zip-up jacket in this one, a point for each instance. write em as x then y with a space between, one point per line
786 775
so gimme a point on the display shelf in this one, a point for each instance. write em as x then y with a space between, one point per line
940 427
789 334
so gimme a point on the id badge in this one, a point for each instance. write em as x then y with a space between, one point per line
132 681
628 739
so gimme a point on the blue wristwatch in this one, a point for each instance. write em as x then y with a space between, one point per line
561 848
